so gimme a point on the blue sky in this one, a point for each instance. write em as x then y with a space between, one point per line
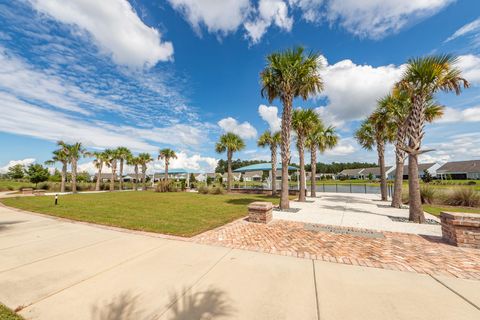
178 73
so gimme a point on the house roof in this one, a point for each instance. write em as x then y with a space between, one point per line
267 166
351 172
421 167
375 170
460 166
174 171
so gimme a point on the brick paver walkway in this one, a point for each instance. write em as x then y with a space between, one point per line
397 251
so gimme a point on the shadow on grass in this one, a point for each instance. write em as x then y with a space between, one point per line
209 304
247 201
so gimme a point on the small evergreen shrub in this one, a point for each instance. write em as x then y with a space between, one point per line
465 197
203 189
217 190
166 186
427 194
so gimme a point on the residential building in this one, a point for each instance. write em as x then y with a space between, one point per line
374 172
352 173
460 170
422 167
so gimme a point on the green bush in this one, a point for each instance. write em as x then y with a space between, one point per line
427 194
203 189
471 183
465 197
217 190
166 186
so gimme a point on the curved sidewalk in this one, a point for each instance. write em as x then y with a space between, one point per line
53 269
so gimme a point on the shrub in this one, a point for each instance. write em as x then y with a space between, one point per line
466 197
203 189
427 194
217 190
471 183
166 186
44 186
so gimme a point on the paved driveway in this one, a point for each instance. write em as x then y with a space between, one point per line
61 270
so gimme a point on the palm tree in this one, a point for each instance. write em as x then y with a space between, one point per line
74 152
231 143
398 105
375 131
123 154
290 74
167 154
143 159
60 156
111 162
135 162
271 140
304 122
100 159
423 78
320 138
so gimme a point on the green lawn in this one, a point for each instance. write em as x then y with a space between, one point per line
180 213
437 209
7 314
6 185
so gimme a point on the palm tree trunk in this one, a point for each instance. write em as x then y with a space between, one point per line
398 184
285 150
313 169
229 171
99 176
381 163
414 200
112 178
64 177
74 175
301 153
273 150
121 174
136 177
166 168
416 123
144 179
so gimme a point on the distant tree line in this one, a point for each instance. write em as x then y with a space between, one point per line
337 167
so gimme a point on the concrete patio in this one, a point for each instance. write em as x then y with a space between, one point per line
355 210
53 269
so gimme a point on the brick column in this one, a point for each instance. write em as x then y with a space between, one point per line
461 229
260 212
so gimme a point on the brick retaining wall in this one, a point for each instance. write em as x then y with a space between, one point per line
461 229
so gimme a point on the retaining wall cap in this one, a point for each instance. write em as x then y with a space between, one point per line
473 216
259 204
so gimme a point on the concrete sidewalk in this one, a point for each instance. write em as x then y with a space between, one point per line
62 270
356 210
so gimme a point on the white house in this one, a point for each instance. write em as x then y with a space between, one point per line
352 173
422 167
460 170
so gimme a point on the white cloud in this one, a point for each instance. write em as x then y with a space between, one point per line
344 147
269 12
376 19
469 28
470 66
115 28
353 90
51 125
457 147
194 163
270 115
311 10
465 115
244 130
23 80
217 16
23 162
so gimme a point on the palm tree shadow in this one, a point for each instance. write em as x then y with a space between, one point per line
208 304
122 307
